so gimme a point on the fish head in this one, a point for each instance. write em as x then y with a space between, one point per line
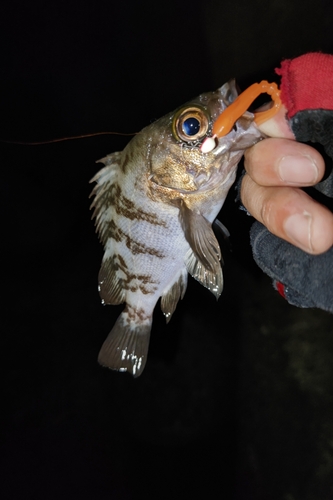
175 158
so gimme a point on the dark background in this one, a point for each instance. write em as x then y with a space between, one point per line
236 399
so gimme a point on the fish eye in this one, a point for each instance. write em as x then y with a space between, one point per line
190 124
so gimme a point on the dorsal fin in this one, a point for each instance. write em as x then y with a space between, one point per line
104 192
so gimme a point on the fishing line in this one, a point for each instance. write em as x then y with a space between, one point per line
23 143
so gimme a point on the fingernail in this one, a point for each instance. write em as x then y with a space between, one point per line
298 228
301 170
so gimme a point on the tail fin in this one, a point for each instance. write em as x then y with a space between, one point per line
126 347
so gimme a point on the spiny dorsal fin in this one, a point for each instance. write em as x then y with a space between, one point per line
169 299
104 192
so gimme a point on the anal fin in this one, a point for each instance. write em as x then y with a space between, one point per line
126 347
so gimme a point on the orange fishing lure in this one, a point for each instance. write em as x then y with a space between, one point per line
226 120
232 113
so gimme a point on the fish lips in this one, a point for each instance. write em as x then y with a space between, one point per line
243 135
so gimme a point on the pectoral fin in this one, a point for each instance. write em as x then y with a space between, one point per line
211 280
203 261
199 234
217 224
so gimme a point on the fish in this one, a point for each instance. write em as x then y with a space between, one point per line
154 205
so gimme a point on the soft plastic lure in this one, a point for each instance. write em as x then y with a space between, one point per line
232 113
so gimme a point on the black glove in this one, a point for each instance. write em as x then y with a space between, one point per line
304 280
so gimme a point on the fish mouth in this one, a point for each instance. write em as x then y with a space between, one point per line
243 135
227 152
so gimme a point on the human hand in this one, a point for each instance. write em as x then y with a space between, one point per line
276 169
293 240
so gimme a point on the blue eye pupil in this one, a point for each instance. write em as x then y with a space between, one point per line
191 126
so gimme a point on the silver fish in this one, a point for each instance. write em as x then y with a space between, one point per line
154 205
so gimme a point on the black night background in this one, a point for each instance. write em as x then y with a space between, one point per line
236 400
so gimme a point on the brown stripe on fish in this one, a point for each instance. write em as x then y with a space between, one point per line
136 248
121 264
143 289
134 314
129 281
142 280
104 197
111 230
146 290
126 207
121 261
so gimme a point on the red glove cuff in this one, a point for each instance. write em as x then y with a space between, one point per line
307 82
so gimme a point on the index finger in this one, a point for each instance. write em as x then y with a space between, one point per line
278 126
